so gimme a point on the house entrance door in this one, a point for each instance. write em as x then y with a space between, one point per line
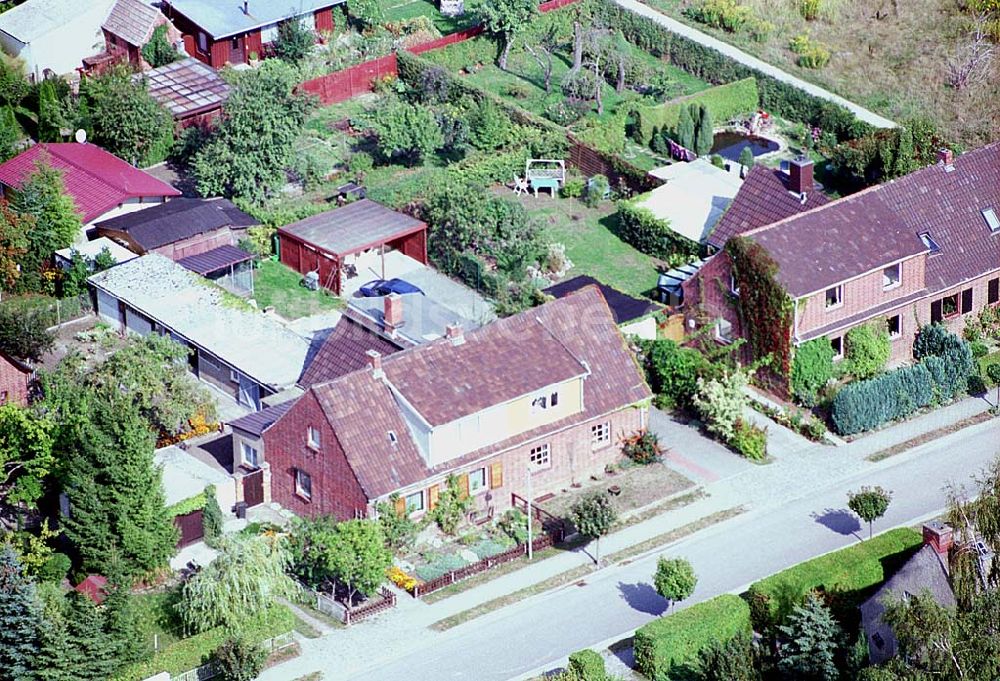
253 488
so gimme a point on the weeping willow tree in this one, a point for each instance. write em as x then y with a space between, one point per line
974 516
243 581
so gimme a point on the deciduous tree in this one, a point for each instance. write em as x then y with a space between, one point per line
24 330
593 516
675 579
25 456
239 660
406 132
504 19
358 557
869 504
56 222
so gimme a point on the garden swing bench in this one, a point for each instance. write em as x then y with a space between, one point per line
545 173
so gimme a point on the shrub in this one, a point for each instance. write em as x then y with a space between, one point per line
725 101
564 112
985 363
639 227
514 524
598 189
868 349
587 665
643 448
809 9
239 660
489 127
573 188
211 519
815 56
406 131
864 405
846 575
673 643
721 401
728 15
930 340
812 369
979 349
55 568
674 371
750 441
718 161
360 163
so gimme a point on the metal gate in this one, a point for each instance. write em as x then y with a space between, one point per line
253 488
191 526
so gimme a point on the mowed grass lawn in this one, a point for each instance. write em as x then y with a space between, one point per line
400 10
592 245
277 285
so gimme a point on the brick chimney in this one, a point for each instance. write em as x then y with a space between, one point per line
392 313
375 363
453 332
939 537
800 175
945 157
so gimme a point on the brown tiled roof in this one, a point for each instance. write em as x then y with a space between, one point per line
624 307
344 350
882 224
186 87
495 364
362 410
763 199
353 228
132 20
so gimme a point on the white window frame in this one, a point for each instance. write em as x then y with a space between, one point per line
234 376
481 482
313 437
254 460
303 484
887 282
899 327
733 288
720 335
992 221
838 354
600 435
838 292
540 457
419 496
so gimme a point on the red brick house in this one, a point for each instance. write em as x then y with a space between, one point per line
15 377
549 392
920 249
220 32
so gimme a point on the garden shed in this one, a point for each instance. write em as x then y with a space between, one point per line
334 242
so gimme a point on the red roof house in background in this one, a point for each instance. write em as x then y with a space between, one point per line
130 25
15 376
101 184
93 587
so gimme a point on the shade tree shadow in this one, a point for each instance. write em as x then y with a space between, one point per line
643 598
839 520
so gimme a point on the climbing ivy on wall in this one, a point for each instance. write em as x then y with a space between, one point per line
763 304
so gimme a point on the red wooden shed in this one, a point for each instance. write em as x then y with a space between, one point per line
321 243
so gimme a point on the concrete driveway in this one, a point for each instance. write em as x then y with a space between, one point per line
692 454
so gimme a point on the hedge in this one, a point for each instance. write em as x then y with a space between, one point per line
864 405
649 234
848 575
587 665
667 648
984 362
194 651
704 62
185 506
723 101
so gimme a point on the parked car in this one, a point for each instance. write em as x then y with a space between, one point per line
383 287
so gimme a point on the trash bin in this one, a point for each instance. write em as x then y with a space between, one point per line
241 509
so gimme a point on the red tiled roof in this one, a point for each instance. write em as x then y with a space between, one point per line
132 20
93 588
882 224
343 351
97 180
362 409
763 199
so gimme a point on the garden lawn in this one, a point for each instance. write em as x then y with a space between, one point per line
592 245
280 286
984 362
400 10
894 62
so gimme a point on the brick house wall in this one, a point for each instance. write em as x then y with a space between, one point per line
335 489
860 294
13 382
980 299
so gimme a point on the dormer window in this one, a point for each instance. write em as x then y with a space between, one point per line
992 221
891 276
929 242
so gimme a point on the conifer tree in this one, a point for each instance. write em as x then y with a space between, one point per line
812 642
685 129
704 135
19 618
53 662
91 653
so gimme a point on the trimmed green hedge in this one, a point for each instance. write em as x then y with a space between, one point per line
723 101
194 651
985 361
185 506
639 227
864 405
710 65
667 648
847 575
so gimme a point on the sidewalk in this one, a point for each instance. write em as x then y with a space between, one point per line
754 63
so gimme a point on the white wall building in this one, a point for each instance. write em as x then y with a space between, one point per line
54 35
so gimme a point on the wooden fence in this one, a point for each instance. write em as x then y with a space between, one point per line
590 162
209 671
447 579
385 600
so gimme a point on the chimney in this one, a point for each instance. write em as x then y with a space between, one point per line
938 536
945 157
453 332
392 313
375 363
800 176
246 7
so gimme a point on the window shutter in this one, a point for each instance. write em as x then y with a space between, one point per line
967 301
993 291
463 485
936 315
496 474
432 497
401 507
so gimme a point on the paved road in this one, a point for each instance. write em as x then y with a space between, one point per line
544 629
754 63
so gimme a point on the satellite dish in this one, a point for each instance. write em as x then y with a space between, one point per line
81 135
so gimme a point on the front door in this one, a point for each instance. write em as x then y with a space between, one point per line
237 50
253 488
